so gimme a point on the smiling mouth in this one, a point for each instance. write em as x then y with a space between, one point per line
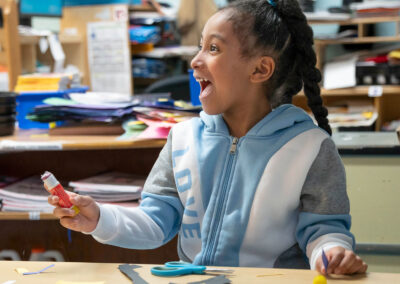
203 83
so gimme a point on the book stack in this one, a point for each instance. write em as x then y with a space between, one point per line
111 187
376 9
46 82
25 195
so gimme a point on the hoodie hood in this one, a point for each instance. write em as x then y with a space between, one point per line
279 119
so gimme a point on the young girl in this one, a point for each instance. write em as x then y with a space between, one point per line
253 181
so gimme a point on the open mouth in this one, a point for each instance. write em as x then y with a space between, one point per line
204 83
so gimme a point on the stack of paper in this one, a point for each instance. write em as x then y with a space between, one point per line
110 187
352 113
376 9
157 116
25 195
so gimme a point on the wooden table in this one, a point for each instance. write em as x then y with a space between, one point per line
110 274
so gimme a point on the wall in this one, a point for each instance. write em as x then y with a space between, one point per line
373 188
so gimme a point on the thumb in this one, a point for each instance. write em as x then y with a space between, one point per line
82 201
319 266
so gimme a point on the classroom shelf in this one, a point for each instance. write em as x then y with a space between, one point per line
367 39
356 21
37 141
386 104
362 91
26 216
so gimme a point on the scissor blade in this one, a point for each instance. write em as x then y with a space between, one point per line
225 270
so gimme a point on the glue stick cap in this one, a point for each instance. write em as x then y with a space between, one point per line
49 179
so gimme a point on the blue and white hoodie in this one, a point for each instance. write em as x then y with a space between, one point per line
273 198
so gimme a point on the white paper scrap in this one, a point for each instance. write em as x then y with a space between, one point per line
340 74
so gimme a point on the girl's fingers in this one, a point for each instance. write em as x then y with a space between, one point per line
363 268
358 264
60 212
335 261
319 266
53 200
71 194
70 223
81 201
346 264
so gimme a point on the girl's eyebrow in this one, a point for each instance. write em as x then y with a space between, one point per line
217 36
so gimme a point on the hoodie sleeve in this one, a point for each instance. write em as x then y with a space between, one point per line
324 220
155 221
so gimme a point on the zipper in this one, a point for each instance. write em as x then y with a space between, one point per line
234 145
221 201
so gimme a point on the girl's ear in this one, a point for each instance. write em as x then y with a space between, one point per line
265 67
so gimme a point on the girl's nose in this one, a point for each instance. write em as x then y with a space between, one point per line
196 62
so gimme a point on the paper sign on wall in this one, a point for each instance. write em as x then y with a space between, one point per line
108 57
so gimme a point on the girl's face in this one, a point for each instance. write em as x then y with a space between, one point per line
223 74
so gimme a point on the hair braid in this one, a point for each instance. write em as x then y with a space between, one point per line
302 36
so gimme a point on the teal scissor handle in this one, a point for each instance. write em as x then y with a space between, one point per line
177 268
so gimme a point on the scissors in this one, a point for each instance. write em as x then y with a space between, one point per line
178 268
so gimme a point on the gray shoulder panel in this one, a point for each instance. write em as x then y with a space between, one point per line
324 190
161 178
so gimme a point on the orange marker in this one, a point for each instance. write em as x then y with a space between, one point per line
55 188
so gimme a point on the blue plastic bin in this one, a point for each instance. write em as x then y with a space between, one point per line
26 101
194 89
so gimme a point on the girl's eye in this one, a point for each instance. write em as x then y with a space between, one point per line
213 47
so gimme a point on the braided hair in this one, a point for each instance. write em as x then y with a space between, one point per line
281 31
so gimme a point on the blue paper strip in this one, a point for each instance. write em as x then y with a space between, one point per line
37 272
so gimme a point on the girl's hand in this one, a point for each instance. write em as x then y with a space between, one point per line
85 221
341 261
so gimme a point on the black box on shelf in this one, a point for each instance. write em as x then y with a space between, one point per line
394 74
370 73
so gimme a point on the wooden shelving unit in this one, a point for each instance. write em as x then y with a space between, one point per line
362 37
79 156
388 90
10 55
26 216
72 47
387 104
77 144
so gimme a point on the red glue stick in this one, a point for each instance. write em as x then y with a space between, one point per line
55 188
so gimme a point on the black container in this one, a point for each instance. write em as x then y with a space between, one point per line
7 109
7 118
368 73
7 128
7 113
395 74
7 98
